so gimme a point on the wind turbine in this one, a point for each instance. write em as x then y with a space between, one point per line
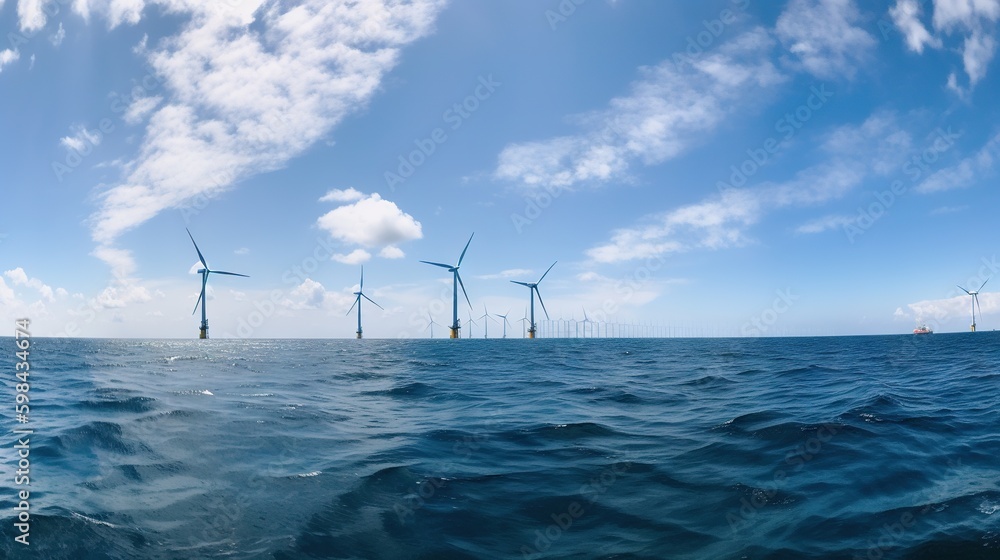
456 281
486 322
975 303
505 321
431 322
361 294
585 321
471 323
204 283
533 288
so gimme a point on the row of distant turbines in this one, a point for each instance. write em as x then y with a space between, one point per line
456 326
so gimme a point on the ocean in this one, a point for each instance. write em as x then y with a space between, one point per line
876 447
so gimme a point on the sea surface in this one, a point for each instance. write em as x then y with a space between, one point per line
876 447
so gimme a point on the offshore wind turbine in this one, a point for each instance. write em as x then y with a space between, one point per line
505 321
203 332
361 294
585 321
471 323
975 303
533 288
431 322
486 322
456 282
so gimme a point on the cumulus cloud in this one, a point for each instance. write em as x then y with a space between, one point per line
81 140
906 16
370 222
356 256
19 277
8 56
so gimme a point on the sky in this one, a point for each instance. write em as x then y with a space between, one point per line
721 167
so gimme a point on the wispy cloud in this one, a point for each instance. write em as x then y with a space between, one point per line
667 110
825 37
723 220
825 223
974 21
300 71
966 172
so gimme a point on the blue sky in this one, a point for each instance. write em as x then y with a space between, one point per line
722 167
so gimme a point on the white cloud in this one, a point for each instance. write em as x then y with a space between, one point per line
356 256
507 274
31 14
370 222
824 224
823 35
964 173
666 111
906 15
242 251
81 140
723 220
8 56
20 278
342 195
958 307
241 101
59 35
141 107
391 252
972 20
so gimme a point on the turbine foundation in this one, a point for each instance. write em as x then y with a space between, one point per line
454 332
359 335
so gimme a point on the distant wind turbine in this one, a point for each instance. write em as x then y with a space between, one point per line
486 322
523 320
975 303
203 333
357 301
471 323
505 321
456 282
585 321
430 324
533 288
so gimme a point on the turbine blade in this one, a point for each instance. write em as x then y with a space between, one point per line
200 297
984 283
459 277
976 299
539 294
373 302
448 266
964 290
521 283
200 257
356 301
228 273
464 250
361 287
546 272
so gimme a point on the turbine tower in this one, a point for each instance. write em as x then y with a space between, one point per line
361 294
486 322
533 288
505 321
975 303
456 281
203 333
585 321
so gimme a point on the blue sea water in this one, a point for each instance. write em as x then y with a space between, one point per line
826 448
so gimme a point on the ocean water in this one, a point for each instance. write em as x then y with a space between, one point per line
827 448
